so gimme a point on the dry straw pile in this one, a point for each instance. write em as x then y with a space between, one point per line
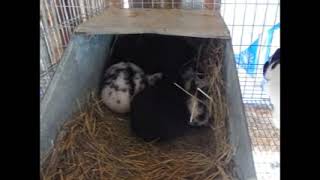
97 144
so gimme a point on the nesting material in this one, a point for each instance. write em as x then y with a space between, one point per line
98 144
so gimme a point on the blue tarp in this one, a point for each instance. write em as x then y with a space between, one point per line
248 59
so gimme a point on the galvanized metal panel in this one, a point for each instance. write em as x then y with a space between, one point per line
238 128
78 73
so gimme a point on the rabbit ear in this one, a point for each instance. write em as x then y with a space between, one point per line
275 60
276 56
265 67
152 79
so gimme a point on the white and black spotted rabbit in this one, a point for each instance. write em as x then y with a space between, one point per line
121 82
198 107
271 73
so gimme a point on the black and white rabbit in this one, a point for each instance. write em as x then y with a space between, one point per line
197 104
121 82
271 73
159 112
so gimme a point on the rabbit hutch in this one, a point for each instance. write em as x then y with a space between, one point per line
80 138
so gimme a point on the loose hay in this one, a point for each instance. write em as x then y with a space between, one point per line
97 144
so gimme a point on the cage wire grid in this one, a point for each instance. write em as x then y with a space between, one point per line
248 22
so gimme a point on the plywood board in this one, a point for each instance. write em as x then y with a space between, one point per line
193 23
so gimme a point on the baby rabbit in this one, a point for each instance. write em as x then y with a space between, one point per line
271 73
121 82
197 105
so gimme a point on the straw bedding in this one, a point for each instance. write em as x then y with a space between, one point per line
98 144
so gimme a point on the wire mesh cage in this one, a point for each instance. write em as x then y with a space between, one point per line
59 19
57 23
252 24
169 4
255 30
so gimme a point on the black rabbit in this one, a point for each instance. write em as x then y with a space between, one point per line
160 112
